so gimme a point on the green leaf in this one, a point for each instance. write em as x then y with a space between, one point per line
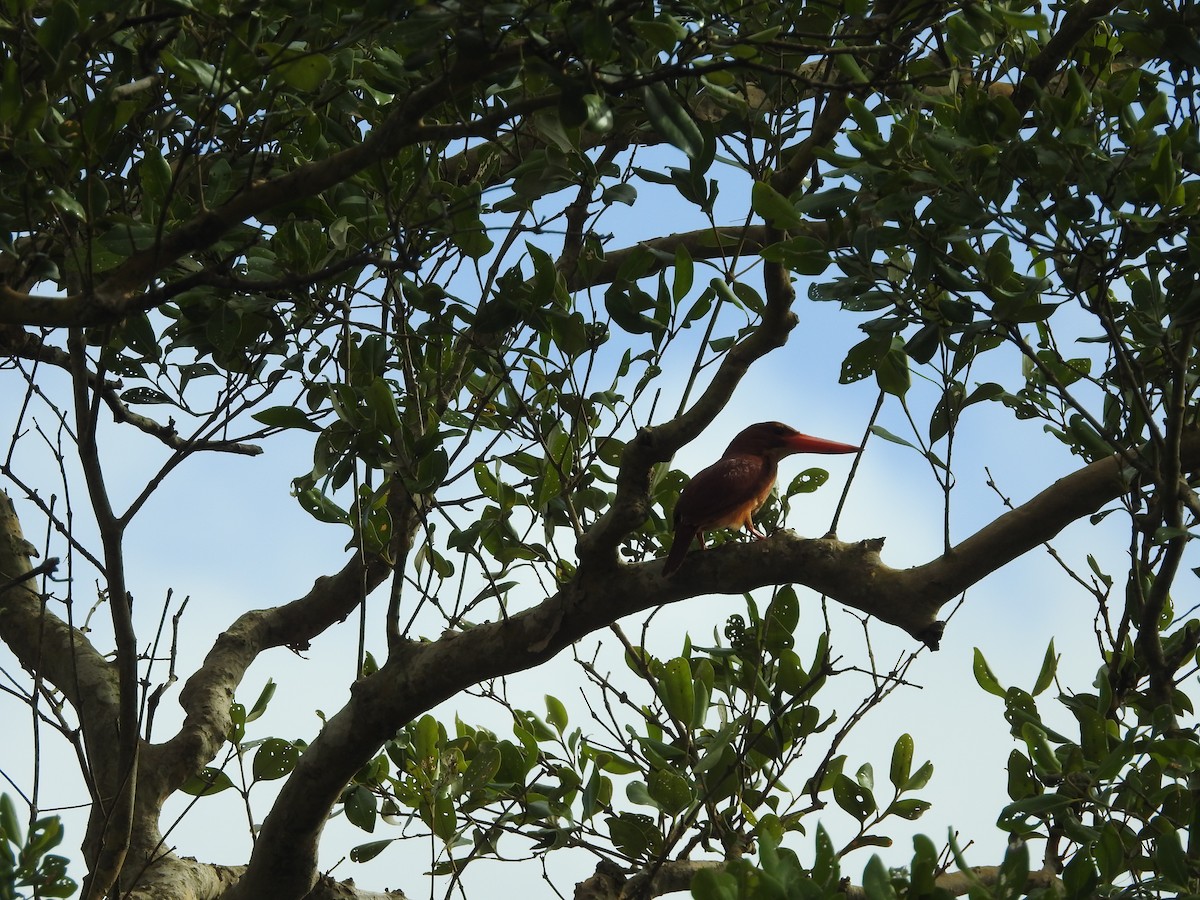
307 72
1093 733
9 823
482 769
671 792
274 758
556 713
663 34
714 884
64 202
380 402
286 417
1045 761
676 690
615 765
1164 171
45 834
924 868
671 120
52 882
1080 878
983 675
145 395
920 778
596 795
626 306
807 481
825 870
946 412
877 884
776 210
846 63
1021 709
427 738
922 345
681 284
237 723
634 834
853 797
192 71
154 173
58 28
882 432
1014 872
638 793
892 373
620 193
865 776
445 818
361 807
600 119
700 308
1049 667
910 808
901 767
320 507
784 610
783 615
803 255
365 852
209 781
703 679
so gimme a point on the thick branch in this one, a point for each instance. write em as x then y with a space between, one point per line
41 640
64 658
427 674
909 598
208 693
676 875
187 879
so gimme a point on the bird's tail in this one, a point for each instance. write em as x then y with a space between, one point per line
679 548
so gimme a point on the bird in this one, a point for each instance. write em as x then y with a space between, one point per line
730 491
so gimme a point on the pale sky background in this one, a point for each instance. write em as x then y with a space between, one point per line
225 531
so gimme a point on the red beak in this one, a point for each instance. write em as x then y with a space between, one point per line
803 443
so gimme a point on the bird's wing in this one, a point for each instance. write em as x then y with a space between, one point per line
726 493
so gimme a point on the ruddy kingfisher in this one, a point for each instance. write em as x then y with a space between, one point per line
730 491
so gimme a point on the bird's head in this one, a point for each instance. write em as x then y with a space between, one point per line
774 440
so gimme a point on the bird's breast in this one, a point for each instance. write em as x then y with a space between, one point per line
727 493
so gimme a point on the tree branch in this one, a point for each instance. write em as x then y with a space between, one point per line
630 506
114 767
187 879
415 681
121 292
23 345
705 243
41 640
1078 21
207 694
676 876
